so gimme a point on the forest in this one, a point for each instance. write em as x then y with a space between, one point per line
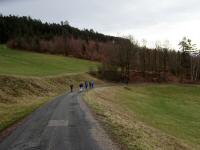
34 35
128 61
122 59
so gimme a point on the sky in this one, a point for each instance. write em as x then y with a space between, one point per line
152 20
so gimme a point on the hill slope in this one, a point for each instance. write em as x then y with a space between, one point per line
13 62
28 80
33 35
150 116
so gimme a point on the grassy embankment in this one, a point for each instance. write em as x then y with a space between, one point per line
13 62
27 80
150 116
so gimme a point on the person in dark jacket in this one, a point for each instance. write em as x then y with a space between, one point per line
81 87
71 87
92 84
86 84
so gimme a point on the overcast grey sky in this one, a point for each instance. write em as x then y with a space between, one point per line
149 19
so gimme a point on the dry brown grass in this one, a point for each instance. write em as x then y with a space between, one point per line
19 96
124 127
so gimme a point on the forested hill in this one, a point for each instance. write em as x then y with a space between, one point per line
120 57
34 35
14 26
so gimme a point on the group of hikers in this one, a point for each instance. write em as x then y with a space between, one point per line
87 85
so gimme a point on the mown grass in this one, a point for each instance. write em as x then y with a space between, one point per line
149 116
15 62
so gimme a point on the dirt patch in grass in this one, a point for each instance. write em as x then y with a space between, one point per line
124 126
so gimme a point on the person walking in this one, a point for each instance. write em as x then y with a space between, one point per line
92 84
81 87
86 84
71 87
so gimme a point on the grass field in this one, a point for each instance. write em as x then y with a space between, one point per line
28 80
13 62
150 116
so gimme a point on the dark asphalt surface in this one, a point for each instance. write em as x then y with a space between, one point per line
64 123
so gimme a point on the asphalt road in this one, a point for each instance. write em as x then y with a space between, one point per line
64 123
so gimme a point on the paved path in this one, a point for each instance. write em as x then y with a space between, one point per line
62 124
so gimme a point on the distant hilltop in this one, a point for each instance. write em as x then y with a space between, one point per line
34 35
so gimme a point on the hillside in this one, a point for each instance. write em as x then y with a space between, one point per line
119 56
28 80
150 116
34 35
15 62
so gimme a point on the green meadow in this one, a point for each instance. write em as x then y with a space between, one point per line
170 109
16 62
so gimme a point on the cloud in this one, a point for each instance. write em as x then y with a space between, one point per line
151 19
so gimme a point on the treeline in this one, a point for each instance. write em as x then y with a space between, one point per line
129 61
31 34
14 26
122 58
